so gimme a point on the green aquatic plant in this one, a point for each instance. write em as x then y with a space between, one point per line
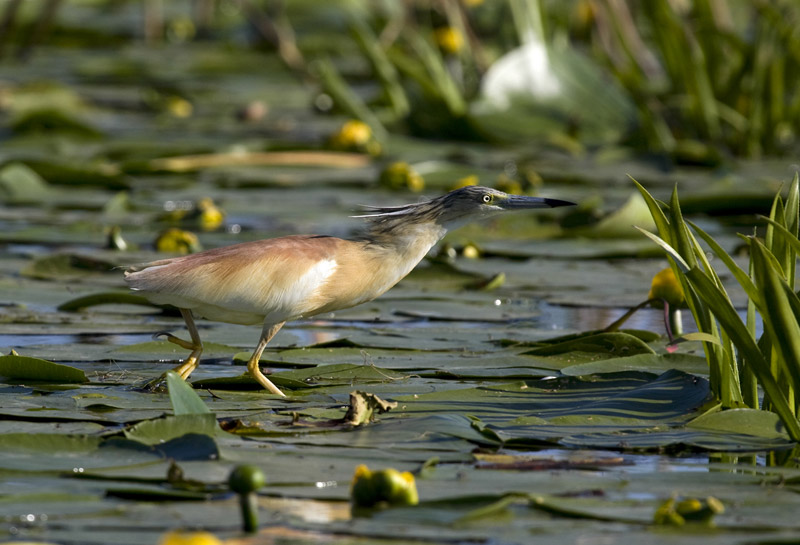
740 361
694 81
245 480
706 75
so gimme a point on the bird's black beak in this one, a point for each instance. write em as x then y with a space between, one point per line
520 202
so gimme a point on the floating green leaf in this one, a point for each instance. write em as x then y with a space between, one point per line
160 430
615 344
24 368
20 184
652 363
620 223
105 298
743 421
66 267
183 398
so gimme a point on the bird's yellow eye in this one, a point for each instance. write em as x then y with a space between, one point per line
487 198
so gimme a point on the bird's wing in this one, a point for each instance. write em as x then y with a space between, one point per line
274 276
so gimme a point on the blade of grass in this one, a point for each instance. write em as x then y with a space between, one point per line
703 90
446 87
680 231
790 238
762 58
741 277
792 215
671 252
659 218
346 98
793 204
730 384
382 66
748 378
776 243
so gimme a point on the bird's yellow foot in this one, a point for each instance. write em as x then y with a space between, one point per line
157 385
255 372
183 370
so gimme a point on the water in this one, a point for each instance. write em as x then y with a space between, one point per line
19 341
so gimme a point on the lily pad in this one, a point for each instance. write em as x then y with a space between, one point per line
620 223
154 432
106 298
66 267
23 368
20 184
742 421
652 363
597 346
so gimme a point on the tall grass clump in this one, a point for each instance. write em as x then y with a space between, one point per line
696 81
740 361
707 73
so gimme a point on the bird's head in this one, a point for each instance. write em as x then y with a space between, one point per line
452 210
476 202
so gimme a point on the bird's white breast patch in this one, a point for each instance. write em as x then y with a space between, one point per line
308 285
316 276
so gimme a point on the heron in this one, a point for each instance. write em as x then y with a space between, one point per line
276 280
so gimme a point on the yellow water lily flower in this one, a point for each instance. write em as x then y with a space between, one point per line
388 486
177 241
401 175
694 510
449 39
472 179
179 107
666 287
210 217
189 538
355 135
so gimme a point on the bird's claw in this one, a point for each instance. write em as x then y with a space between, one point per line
169 337
166 334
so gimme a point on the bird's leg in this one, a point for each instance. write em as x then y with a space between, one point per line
174 340
196 346
267 333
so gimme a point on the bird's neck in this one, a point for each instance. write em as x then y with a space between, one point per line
408 239
405 244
